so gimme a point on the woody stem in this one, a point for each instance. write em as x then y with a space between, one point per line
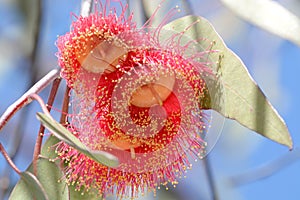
65 107
210 178
25 100
38 144
8 159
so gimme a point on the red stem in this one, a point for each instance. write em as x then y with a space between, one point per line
24 100
7 158
65 107
41 102
38 144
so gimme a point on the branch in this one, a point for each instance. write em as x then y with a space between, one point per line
7 158
38 144
210 178
41 102
25 100
65 107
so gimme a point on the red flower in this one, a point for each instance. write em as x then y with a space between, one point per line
136 98
92 44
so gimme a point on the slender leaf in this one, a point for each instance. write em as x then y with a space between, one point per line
65 135
47 148
47 184
29 187
48 177
73 193
243 99
268 15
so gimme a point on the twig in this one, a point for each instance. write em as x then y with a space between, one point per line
41 102
39 140
7 158
65 106
210 178
38 144
24 100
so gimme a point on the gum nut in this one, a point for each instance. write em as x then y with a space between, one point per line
103 58
154 93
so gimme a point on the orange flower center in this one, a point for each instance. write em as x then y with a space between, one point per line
154 93
103 58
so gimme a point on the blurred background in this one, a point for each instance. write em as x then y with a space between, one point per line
244 165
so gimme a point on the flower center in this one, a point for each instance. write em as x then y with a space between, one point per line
154 93
103 58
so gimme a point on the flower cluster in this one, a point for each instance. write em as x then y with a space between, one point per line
135 97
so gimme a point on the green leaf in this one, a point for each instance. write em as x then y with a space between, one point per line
47 148
243 99
268 15
29 187
73 193
78 195
65 135
50 176
45 186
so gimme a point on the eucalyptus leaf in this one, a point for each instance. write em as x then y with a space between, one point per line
29 187
78 195
48 177
243 99
47 148
269 15
45 186
65 135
